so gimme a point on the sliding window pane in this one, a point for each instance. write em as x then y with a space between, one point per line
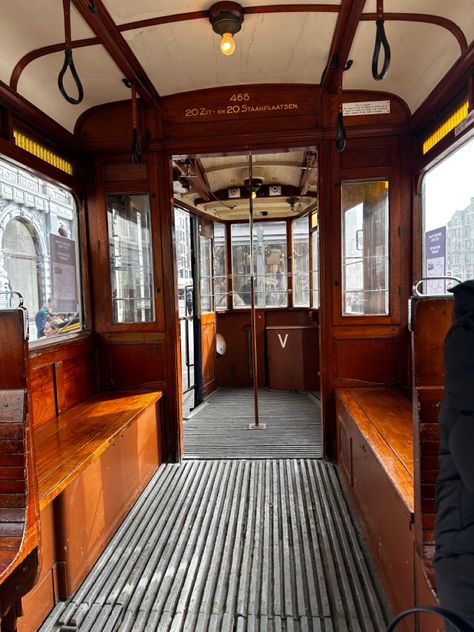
131 262
220 273
365 248
301 262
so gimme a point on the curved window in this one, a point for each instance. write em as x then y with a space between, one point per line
39 252
448 220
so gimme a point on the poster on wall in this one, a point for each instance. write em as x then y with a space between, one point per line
63 274
435 260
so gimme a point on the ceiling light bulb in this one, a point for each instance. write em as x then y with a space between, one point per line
254 195
227 44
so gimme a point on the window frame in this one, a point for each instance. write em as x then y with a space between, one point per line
394 249
69 184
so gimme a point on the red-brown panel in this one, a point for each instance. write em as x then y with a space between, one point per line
130 364
432 318
76 379
12 346
39 602
43 401
367 360
208 345
292 354
91 508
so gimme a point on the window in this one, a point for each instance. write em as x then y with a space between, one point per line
365 248
301 262
448 205
220 274
131 262
270 255
315 267
39 252
205 249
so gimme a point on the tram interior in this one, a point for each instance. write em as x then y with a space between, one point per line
227 235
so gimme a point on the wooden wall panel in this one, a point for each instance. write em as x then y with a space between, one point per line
76 379
208 345
91 508
41 600
43 401
133 364
365 360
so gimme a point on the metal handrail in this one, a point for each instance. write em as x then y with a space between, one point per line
415 290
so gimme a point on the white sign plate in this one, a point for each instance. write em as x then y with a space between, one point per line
363 108
467 122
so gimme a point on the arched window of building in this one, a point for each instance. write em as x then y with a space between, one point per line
21 259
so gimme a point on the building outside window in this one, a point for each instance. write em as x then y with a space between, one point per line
448 214
205 258
315 301
39 257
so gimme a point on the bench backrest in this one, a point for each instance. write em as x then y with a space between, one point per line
431 317
18 501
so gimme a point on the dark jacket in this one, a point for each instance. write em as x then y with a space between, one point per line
454 530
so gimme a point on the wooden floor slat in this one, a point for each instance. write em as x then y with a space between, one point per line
251 545
219 428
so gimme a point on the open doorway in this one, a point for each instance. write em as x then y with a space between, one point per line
280 252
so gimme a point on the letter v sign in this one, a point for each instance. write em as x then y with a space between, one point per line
283 341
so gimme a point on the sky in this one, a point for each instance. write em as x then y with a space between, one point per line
449 187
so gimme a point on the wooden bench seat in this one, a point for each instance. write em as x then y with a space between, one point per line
67 444
375 457
384 418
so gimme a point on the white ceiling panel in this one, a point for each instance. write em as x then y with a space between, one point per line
185 56
461 12
101 80
26 25
124 11
415 67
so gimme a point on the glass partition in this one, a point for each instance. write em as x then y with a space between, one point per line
130 256
205 250
365 248
301 262
270 258
315 301
220 272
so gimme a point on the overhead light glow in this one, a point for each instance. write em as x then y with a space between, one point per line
227 44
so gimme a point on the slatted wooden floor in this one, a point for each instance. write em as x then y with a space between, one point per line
219 428
230 546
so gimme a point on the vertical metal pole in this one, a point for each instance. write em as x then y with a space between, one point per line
253 315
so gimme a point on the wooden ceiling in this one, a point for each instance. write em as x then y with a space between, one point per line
168 47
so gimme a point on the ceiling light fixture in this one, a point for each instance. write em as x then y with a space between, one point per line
226 19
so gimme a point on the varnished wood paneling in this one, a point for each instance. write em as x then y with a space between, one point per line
43 400
90 509
124 172
76 379
132 365
208 354
365 360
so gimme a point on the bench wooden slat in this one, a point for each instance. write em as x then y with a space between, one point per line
66 444
384 418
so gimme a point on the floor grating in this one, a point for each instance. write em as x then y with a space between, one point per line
237 545
219 428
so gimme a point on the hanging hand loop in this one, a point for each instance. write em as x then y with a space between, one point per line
341 138
68 60
136 149
380 41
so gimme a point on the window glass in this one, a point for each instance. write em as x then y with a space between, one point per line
315 267
39 252
448 220
182 223
365 248
131 261
220 273
270 255
301 262
206 273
